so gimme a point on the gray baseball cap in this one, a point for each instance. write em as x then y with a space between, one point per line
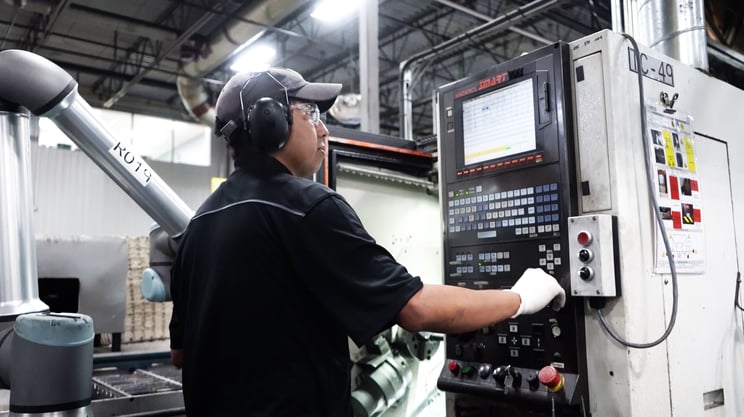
271 83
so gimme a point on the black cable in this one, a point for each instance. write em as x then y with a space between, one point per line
736 292
657 215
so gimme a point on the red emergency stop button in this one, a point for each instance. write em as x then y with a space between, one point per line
584 238
551 378
454 367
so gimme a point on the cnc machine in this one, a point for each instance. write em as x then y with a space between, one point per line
600 162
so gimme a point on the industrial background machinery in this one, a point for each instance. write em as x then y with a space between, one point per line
597 160
611 166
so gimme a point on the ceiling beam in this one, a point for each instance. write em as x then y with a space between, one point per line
50 21
175 44
124 24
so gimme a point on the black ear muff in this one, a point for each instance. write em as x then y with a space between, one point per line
268 124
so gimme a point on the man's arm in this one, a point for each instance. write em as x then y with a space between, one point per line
450 309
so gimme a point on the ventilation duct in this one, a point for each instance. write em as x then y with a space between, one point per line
261 15
347 109
196 99
675 28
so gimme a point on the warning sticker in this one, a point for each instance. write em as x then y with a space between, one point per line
678 191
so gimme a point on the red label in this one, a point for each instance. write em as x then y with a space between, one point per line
677 219
696 215
694 185
674 185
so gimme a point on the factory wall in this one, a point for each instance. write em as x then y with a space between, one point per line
72 196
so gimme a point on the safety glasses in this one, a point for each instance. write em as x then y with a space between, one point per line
311 111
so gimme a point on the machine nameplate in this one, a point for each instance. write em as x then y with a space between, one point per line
652 68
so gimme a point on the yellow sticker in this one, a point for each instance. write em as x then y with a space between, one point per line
690 150
669 148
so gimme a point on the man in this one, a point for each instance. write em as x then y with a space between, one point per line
275 271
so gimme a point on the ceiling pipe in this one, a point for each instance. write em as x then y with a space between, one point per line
487 18
248 26
506 20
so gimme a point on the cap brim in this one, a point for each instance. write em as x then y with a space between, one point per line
323 94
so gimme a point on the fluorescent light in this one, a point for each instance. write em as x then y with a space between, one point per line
257 58
334 10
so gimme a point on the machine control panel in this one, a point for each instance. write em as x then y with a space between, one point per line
509 187
592 245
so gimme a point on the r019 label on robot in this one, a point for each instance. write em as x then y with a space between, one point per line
133 163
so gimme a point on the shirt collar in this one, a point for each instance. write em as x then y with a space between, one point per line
260 163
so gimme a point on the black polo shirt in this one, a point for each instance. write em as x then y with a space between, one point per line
272 274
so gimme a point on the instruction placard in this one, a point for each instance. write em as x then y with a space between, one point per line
678 191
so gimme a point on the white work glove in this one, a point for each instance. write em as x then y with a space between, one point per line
537 289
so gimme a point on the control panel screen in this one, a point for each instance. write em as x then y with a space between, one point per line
499 124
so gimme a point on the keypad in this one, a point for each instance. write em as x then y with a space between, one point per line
523 211
492 263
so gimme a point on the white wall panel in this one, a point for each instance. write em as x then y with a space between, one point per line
72 196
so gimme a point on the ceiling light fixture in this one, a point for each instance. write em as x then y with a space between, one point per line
257 58
334 10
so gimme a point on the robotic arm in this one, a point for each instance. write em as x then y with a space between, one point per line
47 90
46 359
41 86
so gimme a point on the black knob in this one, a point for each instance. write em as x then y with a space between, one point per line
484 371
499 374
585 255
557 357
532 381
516 376
586 273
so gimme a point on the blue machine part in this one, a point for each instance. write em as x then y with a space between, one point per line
152 286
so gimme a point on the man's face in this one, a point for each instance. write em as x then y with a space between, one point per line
308 140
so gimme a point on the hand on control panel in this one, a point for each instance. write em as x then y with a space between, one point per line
537 289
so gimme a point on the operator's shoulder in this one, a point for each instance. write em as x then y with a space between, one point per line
311 192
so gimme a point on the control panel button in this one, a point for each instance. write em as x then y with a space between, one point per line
454 367
585 255
500 373
555 330
484 371
532 381
584 238
551 378
586 273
